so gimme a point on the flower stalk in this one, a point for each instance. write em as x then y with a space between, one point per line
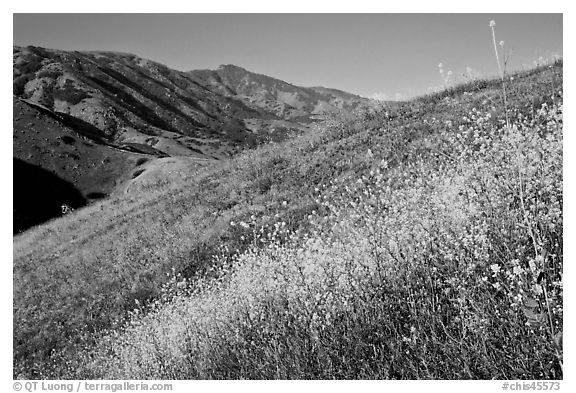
500 69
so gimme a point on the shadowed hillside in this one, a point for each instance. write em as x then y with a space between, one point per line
72 150
39 195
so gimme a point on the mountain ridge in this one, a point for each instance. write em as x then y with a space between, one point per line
62 80
274 95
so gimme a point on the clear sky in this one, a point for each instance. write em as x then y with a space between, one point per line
391 55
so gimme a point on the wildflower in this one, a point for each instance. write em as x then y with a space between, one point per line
502 43
495 268
492 23
537 289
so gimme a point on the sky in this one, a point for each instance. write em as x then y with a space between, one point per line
391 56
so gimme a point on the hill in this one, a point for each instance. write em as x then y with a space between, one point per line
93 118
420 241
134 100
283 99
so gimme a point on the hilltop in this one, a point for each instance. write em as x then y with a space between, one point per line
395 242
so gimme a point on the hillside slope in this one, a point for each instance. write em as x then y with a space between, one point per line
92 167
89 118
444 164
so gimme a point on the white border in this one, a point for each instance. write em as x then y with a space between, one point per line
297 6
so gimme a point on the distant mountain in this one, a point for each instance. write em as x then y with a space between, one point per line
271 95
131 100
89 117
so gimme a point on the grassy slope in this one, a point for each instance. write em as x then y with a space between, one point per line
83 272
